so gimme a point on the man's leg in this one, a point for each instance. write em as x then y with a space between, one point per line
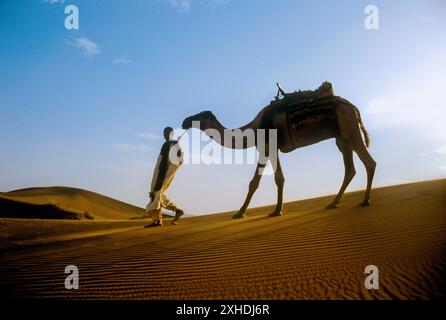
165 202
169 205
154 214
153 210
157 217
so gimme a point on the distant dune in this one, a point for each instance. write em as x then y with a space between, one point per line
64 203
309 253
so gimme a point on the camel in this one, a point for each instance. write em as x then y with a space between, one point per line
302 118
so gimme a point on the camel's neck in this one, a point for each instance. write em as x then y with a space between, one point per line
239 138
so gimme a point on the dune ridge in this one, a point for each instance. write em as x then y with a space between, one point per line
64 203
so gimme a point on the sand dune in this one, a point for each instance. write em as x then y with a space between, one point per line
64 203
309 253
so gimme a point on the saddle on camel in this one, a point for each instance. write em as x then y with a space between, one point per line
300 98
306 107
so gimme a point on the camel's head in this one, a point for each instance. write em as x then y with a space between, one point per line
205 118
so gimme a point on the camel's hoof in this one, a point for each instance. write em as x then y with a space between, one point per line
332 206
365 203
276 214
239 215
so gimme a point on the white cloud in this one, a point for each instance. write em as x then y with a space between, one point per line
54 1
186 5
122 60
382 105
415 100
110 167
441 149
149 136
87 46
126 147
181 5
442 167
212 3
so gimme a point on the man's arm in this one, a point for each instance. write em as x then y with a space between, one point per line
155 175
162 168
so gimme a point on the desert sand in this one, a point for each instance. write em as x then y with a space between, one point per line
309 253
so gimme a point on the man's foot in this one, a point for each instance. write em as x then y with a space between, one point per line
155 224
178 214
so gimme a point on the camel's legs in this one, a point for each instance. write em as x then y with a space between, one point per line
370 165
280 181
253 185
347 152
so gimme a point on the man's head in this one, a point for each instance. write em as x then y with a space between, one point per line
168 132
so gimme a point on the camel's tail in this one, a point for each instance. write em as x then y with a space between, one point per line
363 129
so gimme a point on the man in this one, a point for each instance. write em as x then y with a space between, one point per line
169 160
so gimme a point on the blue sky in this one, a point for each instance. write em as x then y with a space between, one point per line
86 108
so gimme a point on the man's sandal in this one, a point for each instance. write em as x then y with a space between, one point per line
178 214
